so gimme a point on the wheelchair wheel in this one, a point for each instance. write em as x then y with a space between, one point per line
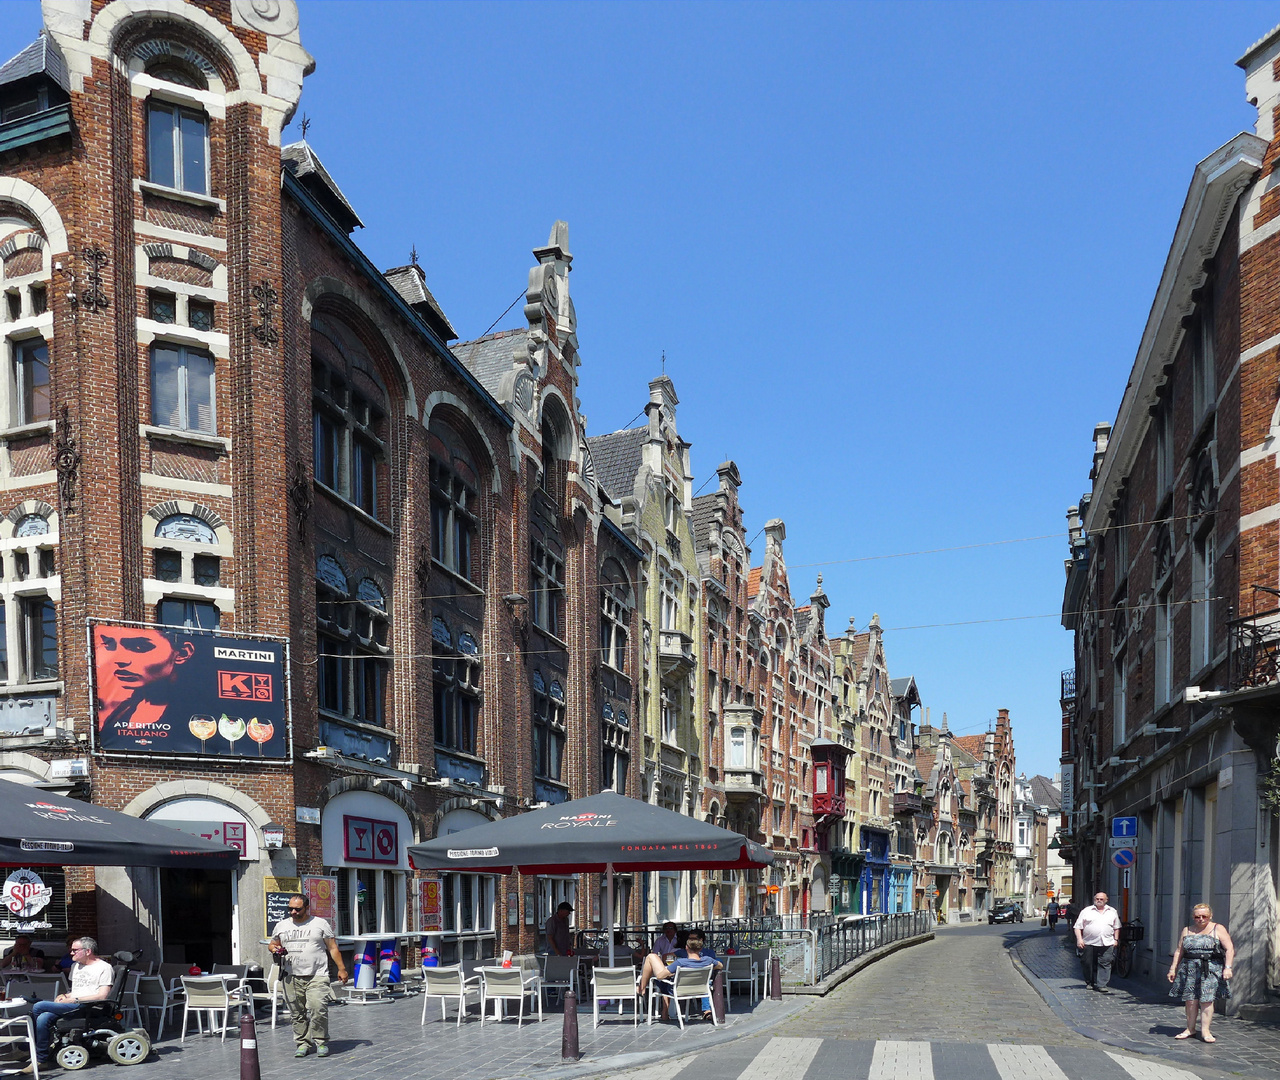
72 1057
128 1048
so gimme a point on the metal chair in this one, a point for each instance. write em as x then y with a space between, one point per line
560 973
151 995
204 993
689 984
273 994
508 984
760 958
14 1031
614 984
739 969
449 983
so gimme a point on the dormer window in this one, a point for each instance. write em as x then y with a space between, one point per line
177 147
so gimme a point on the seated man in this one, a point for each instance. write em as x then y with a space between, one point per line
665 943
695 956
91 979
22 957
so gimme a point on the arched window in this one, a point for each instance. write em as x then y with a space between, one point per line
177 124
548 728
455 673
352 630
615 616
454 503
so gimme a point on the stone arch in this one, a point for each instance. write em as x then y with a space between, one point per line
462 803
323 287
388 789
28 763
555 408
25 509
158 513
443 397
157 796
36 202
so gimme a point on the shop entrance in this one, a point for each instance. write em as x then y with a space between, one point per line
197 908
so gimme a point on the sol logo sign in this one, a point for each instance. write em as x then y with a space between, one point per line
25 895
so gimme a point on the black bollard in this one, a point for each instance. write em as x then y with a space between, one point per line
569 1037
249 1069
717 997
775 979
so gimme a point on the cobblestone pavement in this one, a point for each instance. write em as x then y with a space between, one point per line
1137 1018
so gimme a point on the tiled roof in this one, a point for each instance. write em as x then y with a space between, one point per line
489 358
1044 792
861 646
704 512
971 744
925 760
301 160
41 57
618 457
753 581
411 283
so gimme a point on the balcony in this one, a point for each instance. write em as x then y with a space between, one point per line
828 804
743 784
907 802
675 651
1069 685
1254 650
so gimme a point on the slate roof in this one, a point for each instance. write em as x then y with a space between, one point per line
301 160
1044 792
489 358
618 457
41 57
704 512
898 687
411 283
803 616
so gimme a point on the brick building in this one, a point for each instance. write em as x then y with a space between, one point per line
1172 580
221 415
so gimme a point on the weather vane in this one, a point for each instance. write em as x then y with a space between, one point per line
305 124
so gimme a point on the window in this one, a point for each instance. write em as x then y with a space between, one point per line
615 747
364 475
615 617
547 589
168 565
39 638
182 388
1204 556
347 447
370 901
467 910
197 614
31 370
351 636
1120 688
206 569
200 314
177 147
548 728
1164 645
453 519
669 609
1163 424
737 748
1204 378
456 686
670 716
326 452
163 306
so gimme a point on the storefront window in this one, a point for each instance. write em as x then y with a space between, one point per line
467 916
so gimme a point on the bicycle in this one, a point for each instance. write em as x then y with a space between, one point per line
1130 934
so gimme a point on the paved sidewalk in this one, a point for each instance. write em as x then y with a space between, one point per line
386 1042
1136 1018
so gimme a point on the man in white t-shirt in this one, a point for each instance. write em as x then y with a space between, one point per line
91 979
1096 930
305 944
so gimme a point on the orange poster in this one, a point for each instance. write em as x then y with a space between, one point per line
430 892
322 893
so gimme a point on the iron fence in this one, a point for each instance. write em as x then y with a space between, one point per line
1254 650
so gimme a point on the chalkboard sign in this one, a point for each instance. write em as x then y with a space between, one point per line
277 909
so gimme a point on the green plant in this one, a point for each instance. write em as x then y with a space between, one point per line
1269 788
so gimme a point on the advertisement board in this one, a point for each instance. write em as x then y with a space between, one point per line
175 691
430 905
322 895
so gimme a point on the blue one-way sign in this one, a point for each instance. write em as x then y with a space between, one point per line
1124 826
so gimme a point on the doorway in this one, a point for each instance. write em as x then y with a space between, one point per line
197 914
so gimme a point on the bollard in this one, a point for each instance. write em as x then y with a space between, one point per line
569 1036
717 997
775 979
249 1069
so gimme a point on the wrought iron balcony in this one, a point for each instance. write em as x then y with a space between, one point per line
1254 655
1069 685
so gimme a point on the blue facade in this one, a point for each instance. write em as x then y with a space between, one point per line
875 882
900 896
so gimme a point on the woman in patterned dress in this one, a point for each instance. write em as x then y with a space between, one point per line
1200 969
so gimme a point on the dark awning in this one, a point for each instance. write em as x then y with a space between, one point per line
39 828
588 835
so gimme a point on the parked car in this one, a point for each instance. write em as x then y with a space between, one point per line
1009 913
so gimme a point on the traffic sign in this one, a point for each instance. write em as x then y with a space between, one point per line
1051 894
1124 826
1120 841
1124 857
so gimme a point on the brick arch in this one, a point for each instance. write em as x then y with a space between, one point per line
323 288
474 427
37 203
388 789
115 22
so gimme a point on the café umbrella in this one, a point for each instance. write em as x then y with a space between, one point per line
606 834
43 829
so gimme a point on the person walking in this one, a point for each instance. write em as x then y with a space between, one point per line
91 979
1051 913
1200 969
1096 931
304 944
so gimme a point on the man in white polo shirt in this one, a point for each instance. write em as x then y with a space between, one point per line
1096 930
91 979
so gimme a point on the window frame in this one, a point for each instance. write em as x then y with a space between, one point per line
178 112
182 398
21 412
548 730
546 589
38 609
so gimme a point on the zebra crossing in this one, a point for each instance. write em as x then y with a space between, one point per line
781 1058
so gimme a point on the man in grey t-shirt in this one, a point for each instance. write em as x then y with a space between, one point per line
305 943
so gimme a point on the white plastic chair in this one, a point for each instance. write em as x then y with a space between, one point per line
207 994
739 969
14 1031
448 983
761 959
560 973
689 984
499 984
614 984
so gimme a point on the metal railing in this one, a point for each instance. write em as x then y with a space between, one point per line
1254 650
1069 685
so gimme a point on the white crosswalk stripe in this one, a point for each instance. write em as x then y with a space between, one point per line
663 1070
1018 1061
897 1060
1150 1070
782 1059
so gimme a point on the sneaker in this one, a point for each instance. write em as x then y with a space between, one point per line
1102 990
301 1051
322 1049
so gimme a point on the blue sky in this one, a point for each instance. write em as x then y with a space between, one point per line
898 257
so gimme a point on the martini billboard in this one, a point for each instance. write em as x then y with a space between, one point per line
174 691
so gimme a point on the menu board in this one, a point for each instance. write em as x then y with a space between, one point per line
277 893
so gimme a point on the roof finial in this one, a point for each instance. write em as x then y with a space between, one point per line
664 361
305 125
413 254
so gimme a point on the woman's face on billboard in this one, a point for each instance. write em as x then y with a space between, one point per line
138 656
